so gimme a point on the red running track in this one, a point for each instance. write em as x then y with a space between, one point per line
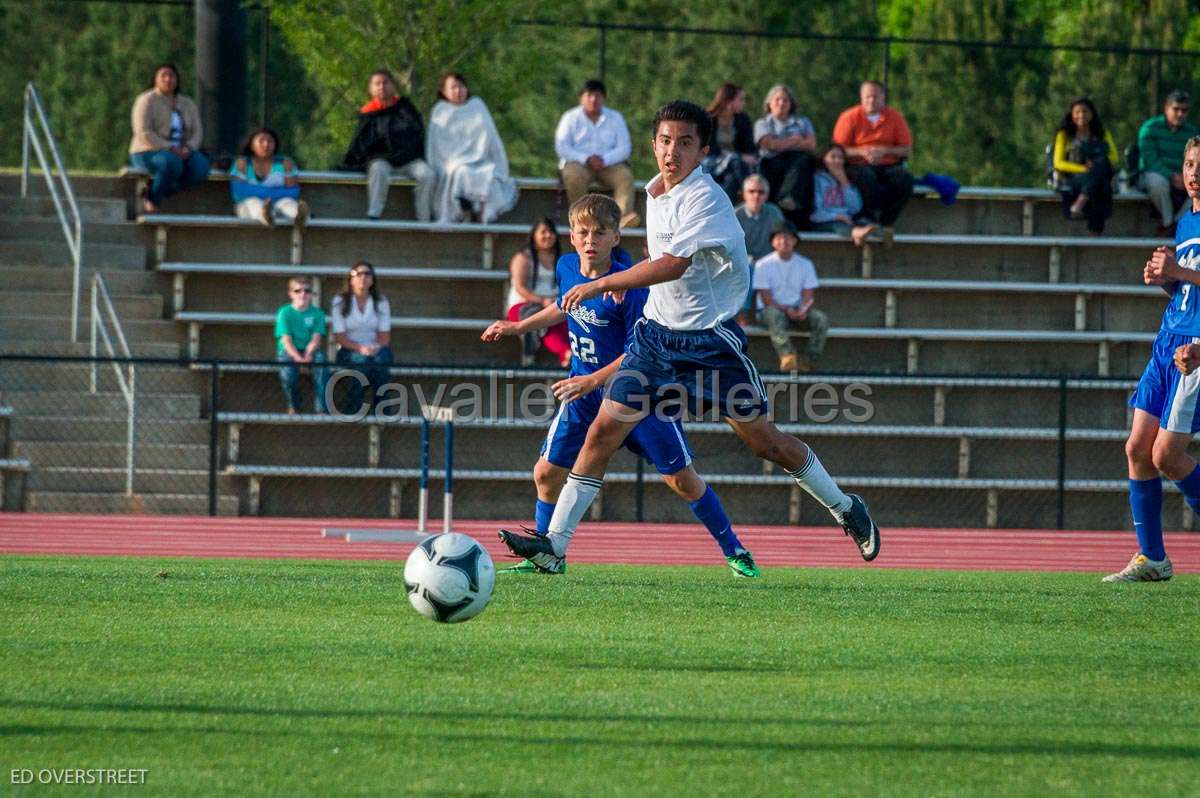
665 544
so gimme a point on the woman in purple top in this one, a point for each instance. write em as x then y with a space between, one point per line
837 205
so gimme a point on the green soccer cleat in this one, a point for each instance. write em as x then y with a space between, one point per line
742 564
528 567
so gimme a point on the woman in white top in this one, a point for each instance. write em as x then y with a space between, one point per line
362 327
464 148
533 284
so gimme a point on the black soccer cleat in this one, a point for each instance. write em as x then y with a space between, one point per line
857 524
536 548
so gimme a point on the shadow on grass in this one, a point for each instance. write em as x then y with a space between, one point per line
693 722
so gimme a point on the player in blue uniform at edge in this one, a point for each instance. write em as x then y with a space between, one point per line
698 274
599 329
1164 404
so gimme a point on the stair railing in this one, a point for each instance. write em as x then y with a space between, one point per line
72 224
104 316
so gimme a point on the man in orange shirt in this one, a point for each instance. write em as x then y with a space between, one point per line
877 142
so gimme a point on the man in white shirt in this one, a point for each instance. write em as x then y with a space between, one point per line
593 146
786 284
688 346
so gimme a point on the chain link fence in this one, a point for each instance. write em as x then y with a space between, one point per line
211 437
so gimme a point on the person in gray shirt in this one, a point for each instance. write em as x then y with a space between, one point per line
759 220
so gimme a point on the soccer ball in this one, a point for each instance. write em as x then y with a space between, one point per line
449 578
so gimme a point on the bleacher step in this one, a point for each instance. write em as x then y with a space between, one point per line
101 429
55 327
112 480
63 348
94 210
110 455
59 277
150 407
54 303
54 252
40 228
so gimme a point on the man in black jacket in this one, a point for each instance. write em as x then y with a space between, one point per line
390 140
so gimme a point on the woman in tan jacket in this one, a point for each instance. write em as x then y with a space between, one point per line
166 138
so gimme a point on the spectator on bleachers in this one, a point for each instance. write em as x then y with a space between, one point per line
786 143
786 285
299 334
731 151
166 138
1084 154
837 205
877 142
264 184
759 220
593 146
533 285
465 150
390 141
1160 142
362 328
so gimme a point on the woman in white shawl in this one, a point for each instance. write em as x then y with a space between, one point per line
463 145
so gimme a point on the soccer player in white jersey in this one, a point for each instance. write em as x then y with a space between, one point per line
1165 415
698 274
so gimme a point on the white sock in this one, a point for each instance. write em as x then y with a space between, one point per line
813 477
574 500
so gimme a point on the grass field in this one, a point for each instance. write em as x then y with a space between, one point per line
229 676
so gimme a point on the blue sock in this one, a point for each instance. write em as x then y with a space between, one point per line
1145 500
1189 486
541 516
710 512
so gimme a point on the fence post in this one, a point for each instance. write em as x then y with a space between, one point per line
214 405
1062 450
887 59
639 490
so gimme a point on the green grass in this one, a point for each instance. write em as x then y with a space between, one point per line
316 677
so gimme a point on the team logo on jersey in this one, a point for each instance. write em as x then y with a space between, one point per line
585 316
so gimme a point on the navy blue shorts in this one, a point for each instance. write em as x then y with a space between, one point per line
1165 393
660 441
701 369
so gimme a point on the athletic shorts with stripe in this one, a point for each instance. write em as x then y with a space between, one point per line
660 441
712 366
1165 393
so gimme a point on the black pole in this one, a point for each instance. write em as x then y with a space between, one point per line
214 438
603 53
221 74
887 60
1062 450
640 490
264 55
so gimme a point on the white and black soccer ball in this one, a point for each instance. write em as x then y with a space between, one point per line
449 578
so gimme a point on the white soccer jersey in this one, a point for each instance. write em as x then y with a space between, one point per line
696 219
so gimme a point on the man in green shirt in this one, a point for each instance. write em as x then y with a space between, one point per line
1161 140
299 331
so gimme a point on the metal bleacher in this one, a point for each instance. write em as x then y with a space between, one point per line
997 285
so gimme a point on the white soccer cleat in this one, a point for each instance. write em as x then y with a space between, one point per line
1143 569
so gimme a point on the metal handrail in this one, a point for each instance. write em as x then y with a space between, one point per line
72 226
102 301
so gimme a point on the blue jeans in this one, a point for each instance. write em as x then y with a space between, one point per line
289 378
373 367
170 173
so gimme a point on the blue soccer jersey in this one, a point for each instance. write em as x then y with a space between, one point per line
1181 317
599 327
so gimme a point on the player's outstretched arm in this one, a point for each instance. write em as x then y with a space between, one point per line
501 328
575 387
643 275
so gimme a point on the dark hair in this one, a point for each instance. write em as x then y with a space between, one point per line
690 113
726 93
457 76
1178 97
825 151
247 151
347 295
165 65
1095 127
533 250
595 84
